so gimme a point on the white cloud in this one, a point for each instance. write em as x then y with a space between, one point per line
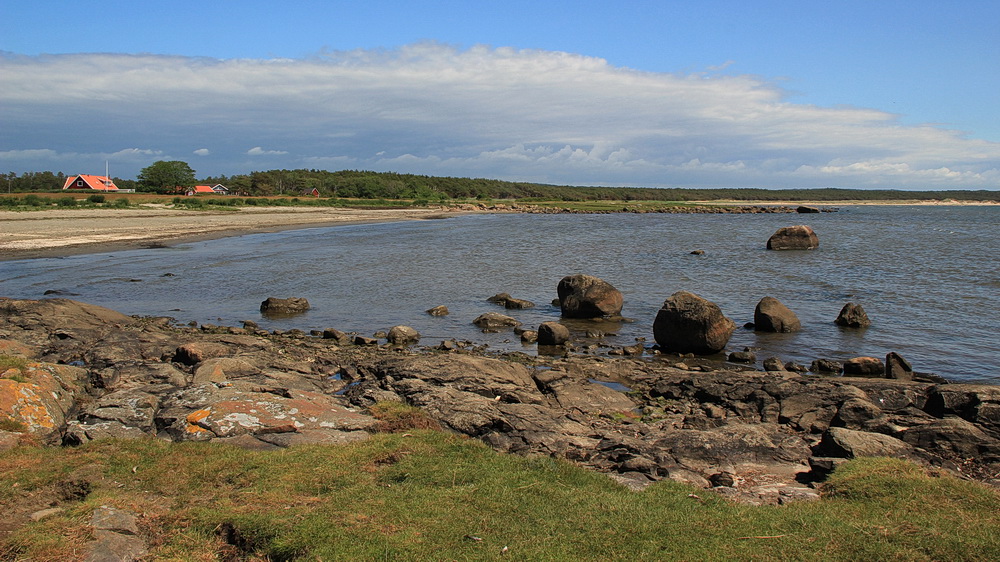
28 154
258 151
202 152
514 114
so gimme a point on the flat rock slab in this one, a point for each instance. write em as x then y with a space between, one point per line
237 412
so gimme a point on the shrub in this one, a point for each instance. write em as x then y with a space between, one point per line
12 362
120 203
96 198
33 200
66 202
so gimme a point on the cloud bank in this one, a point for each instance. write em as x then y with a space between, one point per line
428 108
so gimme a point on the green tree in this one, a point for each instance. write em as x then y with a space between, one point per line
163 176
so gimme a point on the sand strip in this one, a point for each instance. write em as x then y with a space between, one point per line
55 233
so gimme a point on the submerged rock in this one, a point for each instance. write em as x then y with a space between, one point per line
509 302
494 320
284 307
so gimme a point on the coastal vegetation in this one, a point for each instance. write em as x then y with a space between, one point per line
425 494
164 177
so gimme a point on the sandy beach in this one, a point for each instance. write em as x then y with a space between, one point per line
53 233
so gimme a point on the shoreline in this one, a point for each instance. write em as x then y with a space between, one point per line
31 235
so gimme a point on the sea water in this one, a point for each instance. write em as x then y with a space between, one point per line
928 277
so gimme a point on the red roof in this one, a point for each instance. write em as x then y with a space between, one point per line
100 183
202 189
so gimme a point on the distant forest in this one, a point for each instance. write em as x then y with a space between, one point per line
391 185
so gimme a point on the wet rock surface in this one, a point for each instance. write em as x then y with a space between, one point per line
755 436
798 237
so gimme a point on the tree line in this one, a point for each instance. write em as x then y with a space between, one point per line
166 177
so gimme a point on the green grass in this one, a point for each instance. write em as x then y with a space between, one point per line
12 367
427 495
615 206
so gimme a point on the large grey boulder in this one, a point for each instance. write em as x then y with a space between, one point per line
773 316
850 443
585 296
688 323
799 237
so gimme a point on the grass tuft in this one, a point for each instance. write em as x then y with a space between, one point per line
397 416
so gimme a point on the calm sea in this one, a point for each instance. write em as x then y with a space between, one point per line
929 278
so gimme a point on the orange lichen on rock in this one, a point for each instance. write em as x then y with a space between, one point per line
25 402
194 417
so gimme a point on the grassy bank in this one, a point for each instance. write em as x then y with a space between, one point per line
431 495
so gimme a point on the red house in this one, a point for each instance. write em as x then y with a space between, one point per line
198 190
95 183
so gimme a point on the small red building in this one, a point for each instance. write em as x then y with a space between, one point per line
95 183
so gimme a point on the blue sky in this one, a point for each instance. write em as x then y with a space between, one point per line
697 93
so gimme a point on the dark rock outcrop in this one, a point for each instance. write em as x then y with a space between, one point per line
864 367
688 323
509 302
799 237
897 368
552 333
853 315
745 356
585 296
825 366
773 316
495 320
274 306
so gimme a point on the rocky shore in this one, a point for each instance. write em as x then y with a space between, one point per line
728 209
74 372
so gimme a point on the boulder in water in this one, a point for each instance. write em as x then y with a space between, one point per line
799 237
552 333
585 296
284 307
853 315
773 316
494 320
688 323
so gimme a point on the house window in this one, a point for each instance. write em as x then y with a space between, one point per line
79 183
